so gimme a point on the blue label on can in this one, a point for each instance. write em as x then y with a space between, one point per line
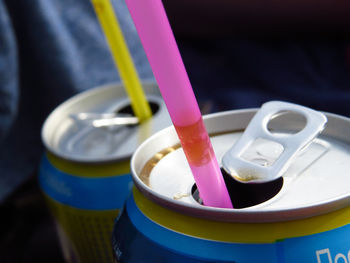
96 193
136 237
328 247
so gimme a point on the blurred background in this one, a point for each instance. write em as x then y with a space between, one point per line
238 54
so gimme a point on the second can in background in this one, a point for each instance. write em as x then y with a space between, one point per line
84 173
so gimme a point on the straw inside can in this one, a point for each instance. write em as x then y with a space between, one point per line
161 49
122 58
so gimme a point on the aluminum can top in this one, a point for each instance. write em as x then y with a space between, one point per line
317 181
78 140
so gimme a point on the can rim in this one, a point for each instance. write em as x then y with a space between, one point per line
243 215
46 130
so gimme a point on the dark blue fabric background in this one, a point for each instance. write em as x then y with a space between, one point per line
312 71
53 49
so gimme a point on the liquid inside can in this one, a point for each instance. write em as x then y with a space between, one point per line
85 172
301 217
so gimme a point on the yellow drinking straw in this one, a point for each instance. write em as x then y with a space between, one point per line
120 52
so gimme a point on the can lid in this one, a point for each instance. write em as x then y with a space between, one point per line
73 131
315 183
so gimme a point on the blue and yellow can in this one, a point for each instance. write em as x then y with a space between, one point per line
307 219
85 172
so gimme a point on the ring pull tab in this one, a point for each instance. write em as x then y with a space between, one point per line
285 146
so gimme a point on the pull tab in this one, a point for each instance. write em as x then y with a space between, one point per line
289 144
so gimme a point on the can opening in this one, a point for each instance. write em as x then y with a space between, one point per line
246 195
127 109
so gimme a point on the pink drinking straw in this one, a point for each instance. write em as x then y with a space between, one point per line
159 43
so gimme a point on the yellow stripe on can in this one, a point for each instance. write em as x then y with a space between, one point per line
239 232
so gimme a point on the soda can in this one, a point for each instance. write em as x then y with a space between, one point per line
85 171
303 216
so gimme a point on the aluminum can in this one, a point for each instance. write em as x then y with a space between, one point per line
303 216
85 171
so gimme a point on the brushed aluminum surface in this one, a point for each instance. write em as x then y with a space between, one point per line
317 181
77 140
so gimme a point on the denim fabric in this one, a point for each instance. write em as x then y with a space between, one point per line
49 51
8 73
